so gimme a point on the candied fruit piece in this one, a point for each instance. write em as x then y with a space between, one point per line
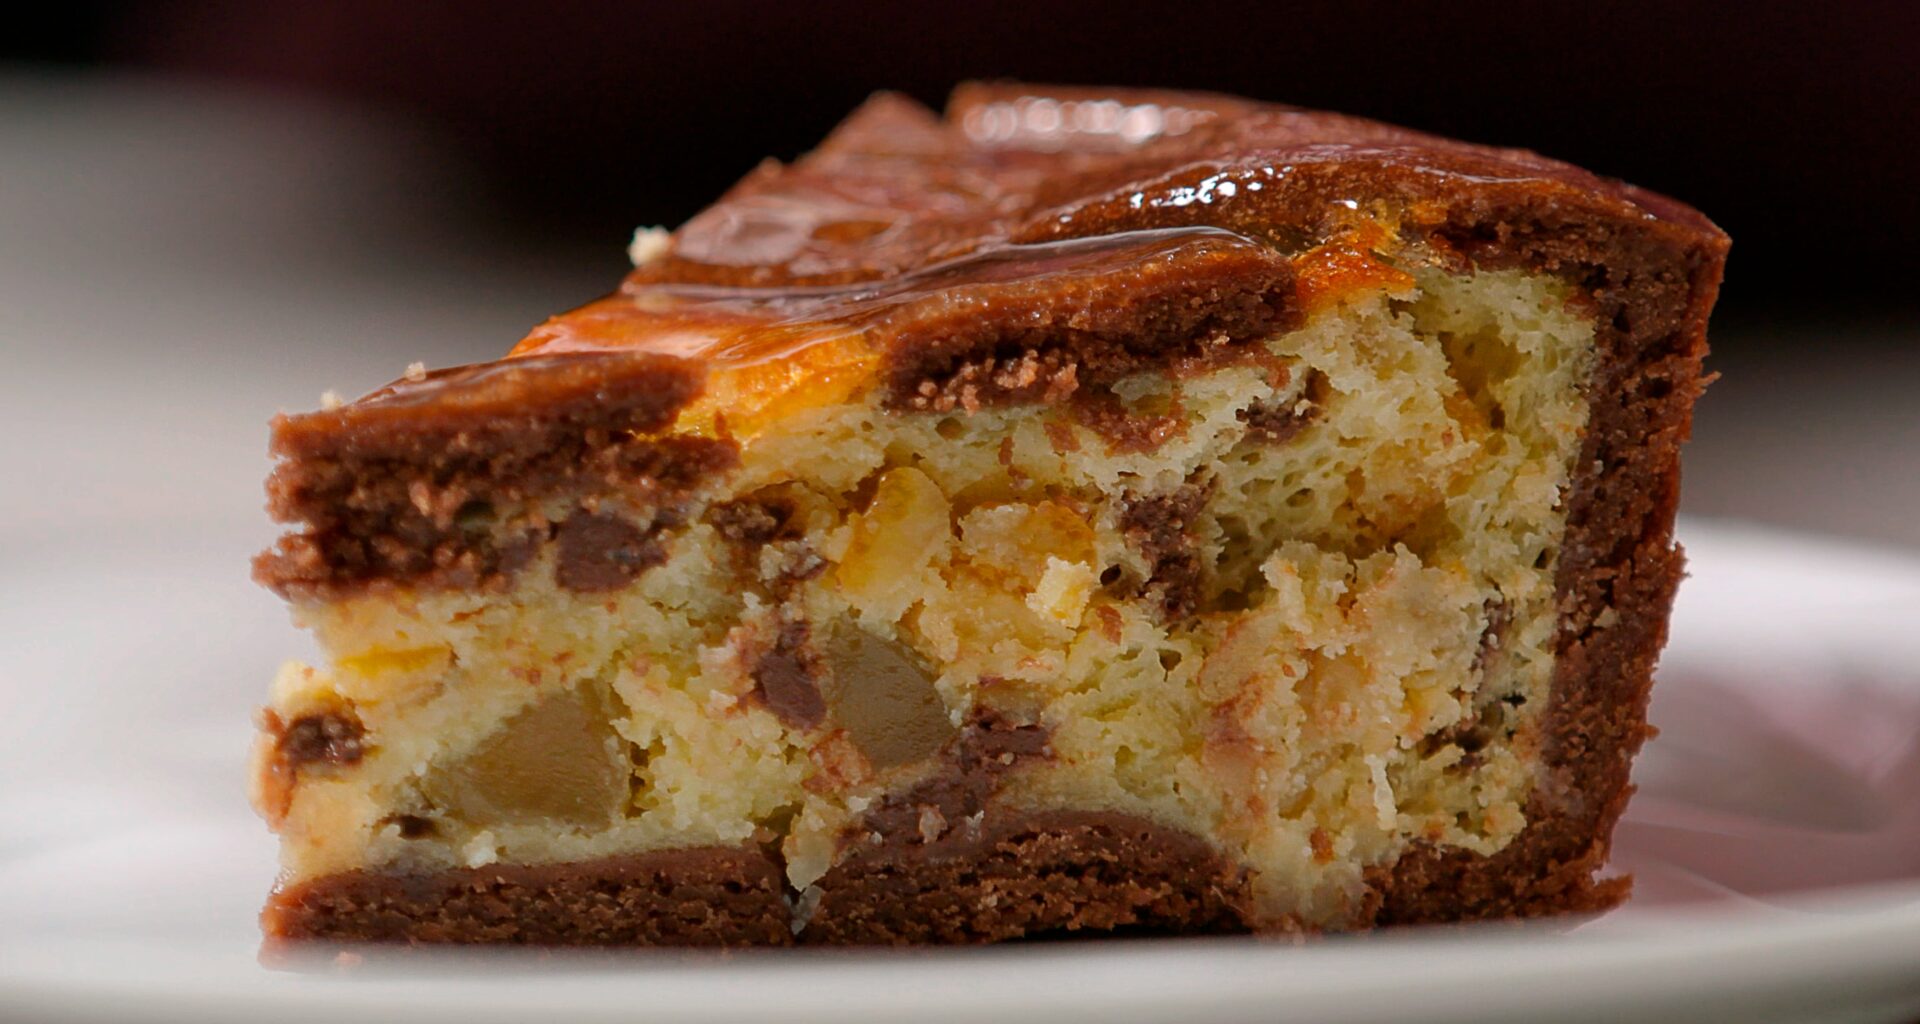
905 527
1345 268
1021 540
1062 593
381 660
884 698
556 761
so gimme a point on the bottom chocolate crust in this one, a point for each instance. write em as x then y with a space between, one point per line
1015 876
1431 886
1028 876
714 896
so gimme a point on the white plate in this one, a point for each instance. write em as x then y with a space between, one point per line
1776 839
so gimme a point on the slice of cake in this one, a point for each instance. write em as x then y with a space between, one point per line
1094 511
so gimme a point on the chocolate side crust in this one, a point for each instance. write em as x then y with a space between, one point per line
1651 306
714 896
409 482
1028 875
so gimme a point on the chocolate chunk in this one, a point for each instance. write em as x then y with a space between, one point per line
1124 430
787 678
331 737
601 551
972 764
1487 719
1277 422
771 515
752 522
991 742
1471 735
1492 638
1159 526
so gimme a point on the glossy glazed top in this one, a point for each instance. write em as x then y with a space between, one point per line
814 277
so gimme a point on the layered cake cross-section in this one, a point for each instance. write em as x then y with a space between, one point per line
1090 511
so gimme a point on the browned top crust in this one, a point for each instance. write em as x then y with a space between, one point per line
1036 241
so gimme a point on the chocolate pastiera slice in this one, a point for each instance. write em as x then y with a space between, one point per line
1095 510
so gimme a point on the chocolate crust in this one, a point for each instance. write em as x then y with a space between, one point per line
1028 875
1115 306
713 896
1158 525
1019 875
1652 292
414 482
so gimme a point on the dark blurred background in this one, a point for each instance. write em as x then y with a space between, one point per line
512 148
1795 126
